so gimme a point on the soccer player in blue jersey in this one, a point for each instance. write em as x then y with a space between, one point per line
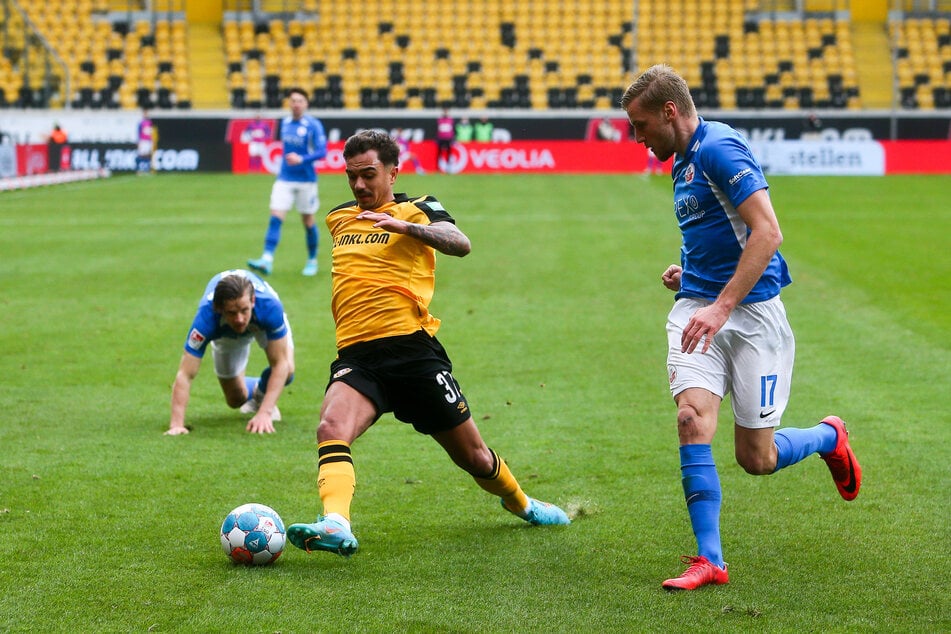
304 142
237 308
727 331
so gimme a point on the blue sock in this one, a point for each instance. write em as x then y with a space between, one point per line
250 382
702 492
312 238
794 444
273 235
266 376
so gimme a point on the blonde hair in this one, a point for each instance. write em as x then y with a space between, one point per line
656 86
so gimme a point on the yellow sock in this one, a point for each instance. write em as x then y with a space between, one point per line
503 484
336 479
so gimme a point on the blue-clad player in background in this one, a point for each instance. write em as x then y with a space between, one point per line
237 308
727 331
304 142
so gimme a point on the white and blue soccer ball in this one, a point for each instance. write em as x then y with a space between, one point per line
253 534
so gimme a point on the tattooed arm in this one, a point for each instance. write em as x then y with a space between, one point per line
443 236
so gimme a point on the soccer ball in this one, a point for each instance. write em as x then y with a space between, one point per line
253 534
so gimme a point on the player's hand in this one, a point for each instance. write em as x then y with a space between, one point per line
383 221
260 424
176 431
293 158
671 277
703 325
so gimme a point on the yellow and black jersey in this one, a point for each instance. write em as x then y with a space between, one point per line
382 282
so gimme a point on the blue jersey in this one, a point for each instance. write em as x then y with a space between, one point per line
306 137
267 316
717 173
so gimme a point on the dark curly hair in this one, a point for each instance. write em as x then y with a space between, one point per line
386 148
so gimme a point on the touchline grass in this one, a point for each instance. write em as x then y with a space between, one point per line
555 323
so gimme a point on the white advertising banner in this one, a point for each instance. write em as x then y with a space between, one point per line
119 126
817 158
8 160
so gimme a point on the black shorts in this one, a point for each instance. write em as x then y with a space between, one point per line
409 375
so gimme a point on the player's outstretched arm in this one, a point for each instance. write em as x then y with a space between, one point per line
443 236
181 390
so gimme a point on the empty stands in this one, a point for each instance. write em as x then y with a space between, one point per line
922 48
113 62
733 56
418 54
413 54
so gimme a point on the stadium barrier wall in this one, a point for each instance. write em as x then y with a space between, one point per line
547 143
33 126
518 157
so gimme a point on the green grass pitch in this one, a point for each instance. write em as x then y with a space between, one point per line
555 323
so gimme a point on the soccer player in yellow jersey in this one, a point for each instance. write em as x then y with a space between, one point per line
388 358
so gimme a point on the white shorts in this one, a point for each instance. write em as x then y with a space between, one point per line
144 148
256 148
751 357
231 355
301 196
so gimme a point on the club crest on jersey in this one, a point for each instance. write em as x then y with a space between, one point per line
689 174
195 339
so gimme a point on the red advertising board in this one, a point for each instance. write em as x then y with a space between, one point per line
603 157
917 157
32 159
553 157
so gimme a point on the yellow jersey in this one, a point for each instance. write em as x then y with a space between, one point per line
382 282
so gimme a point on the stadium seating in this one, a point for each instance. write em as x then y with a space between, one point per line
484 53
735 57
111 62
30 75
538 54
547 54
923 61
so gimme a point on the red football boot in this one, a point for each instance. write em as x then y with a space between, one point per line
845 469
701 572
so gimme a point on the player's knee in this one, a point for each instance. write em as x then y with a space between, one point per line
328 429
689 425
235 400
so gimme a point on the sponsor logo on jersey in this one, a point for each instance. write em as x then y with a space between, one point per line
347 239
743 172
195 339
342 372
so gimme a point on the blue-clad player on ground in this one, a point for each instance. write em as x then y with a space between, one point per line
727 331
237 308
304 142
